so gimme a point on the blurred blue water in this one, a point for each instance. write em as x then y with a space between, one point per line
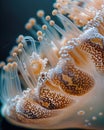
13 16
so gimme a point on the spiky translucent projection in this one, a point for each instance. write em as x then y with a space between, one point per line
58 83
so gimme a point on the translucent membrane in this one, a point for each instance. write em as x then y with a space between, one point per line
50 34
29 48
48 50
70 28
10 85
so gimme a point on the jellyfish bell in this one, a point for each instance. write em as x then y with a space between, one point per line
60 84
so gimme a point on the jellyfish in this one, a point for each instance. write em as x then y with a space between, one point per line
54 79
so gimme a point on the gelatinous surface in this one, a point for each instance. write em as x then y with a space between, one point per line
58 84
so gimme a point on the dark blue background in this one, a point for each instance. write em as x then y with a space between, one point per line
13 16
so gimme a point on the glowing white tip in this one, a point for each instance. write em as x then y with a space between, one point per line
15 64
52 23
40 38
44 27
20 46
48 18
58 5
14 54
9 59
32 21
28 26
2 64
39 33
40 13
20 38
54 12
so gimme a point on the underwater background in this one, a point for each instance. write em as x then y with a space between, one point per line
13 16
